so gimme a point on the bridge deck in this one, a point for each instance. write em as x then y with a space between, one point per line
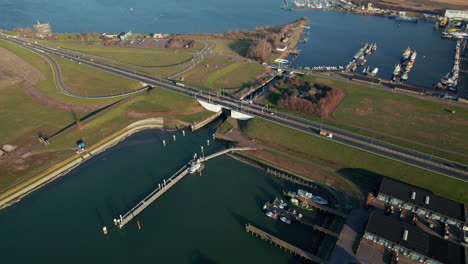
297 251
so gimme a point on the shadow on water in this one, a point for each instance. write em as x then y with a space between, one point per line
197 257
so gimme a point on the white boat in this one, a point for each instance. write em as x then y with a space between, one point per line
194 167
285 219
373 72
397 69
311 197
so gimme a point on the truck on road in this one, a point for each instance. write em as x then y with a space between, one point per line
326 134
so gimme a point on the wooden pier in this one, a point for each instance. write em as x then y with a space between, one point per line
326 231
148 200
282 244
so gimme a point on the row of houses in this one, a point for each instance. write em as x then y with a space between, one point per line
411 240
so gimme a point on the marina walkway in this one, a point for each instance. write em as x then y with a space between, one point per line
203 159
166 185
292 249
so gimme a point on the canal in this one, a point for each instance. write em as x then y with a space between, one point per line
200 220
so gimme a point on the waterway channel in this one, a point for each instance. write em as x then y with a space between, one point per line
334 37
199 220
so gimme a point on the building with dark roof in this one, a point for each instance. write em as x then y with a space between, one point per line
412 241
422 202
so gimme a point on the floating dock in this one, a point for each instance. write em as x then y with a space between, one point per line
292 249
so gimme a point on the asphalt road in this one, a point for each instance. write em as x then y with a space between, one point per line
411 157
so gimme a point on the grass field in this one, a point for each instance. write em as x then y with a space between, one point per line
87 81
347 158
163 100
140 57
48 86
398 115
235 75
216 73
235 48
198 76
24 118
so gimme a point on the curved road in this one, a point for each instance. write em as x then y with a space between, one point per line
411 157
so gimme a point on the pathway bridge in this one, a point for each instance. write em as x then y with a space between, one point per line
166 185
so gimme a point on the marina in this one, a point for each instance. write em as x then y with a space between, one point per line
359 59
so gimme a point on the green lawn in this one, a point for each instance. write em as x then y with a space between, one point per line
86 80
235 75
198 76
163 100
135 56
48 86
224 128
349 157
22 117
398 115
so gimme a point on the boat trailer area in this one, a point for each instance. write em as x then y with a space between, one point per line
166 185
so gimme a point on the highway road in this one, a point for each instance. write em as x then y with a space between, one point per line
411 157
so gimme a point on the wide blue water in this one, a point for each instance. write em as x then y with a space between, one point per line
334 39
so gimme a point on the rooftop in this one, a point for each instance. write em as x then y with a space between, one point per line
417 240
438 204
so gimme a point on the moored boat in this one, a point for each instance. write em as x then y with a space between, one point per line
311 197
300 204
285 220
407 53
271 215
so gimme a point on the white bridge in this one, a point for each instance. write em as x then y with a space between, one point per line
216 108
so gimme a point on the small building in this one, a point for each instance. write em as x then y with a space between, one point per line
124 36
281 48
457 14
42 30
422 202
159 35
412 242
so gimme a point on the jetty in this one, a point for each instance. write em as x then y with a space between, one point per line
166 185
282 244
323 208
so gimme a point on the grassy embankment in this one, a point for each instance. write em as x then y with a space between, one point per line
343 159
165 60
398 115
27 117
221 74
106 124
88 81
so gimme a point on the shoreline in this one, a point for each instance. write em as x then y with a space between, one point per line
16 193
